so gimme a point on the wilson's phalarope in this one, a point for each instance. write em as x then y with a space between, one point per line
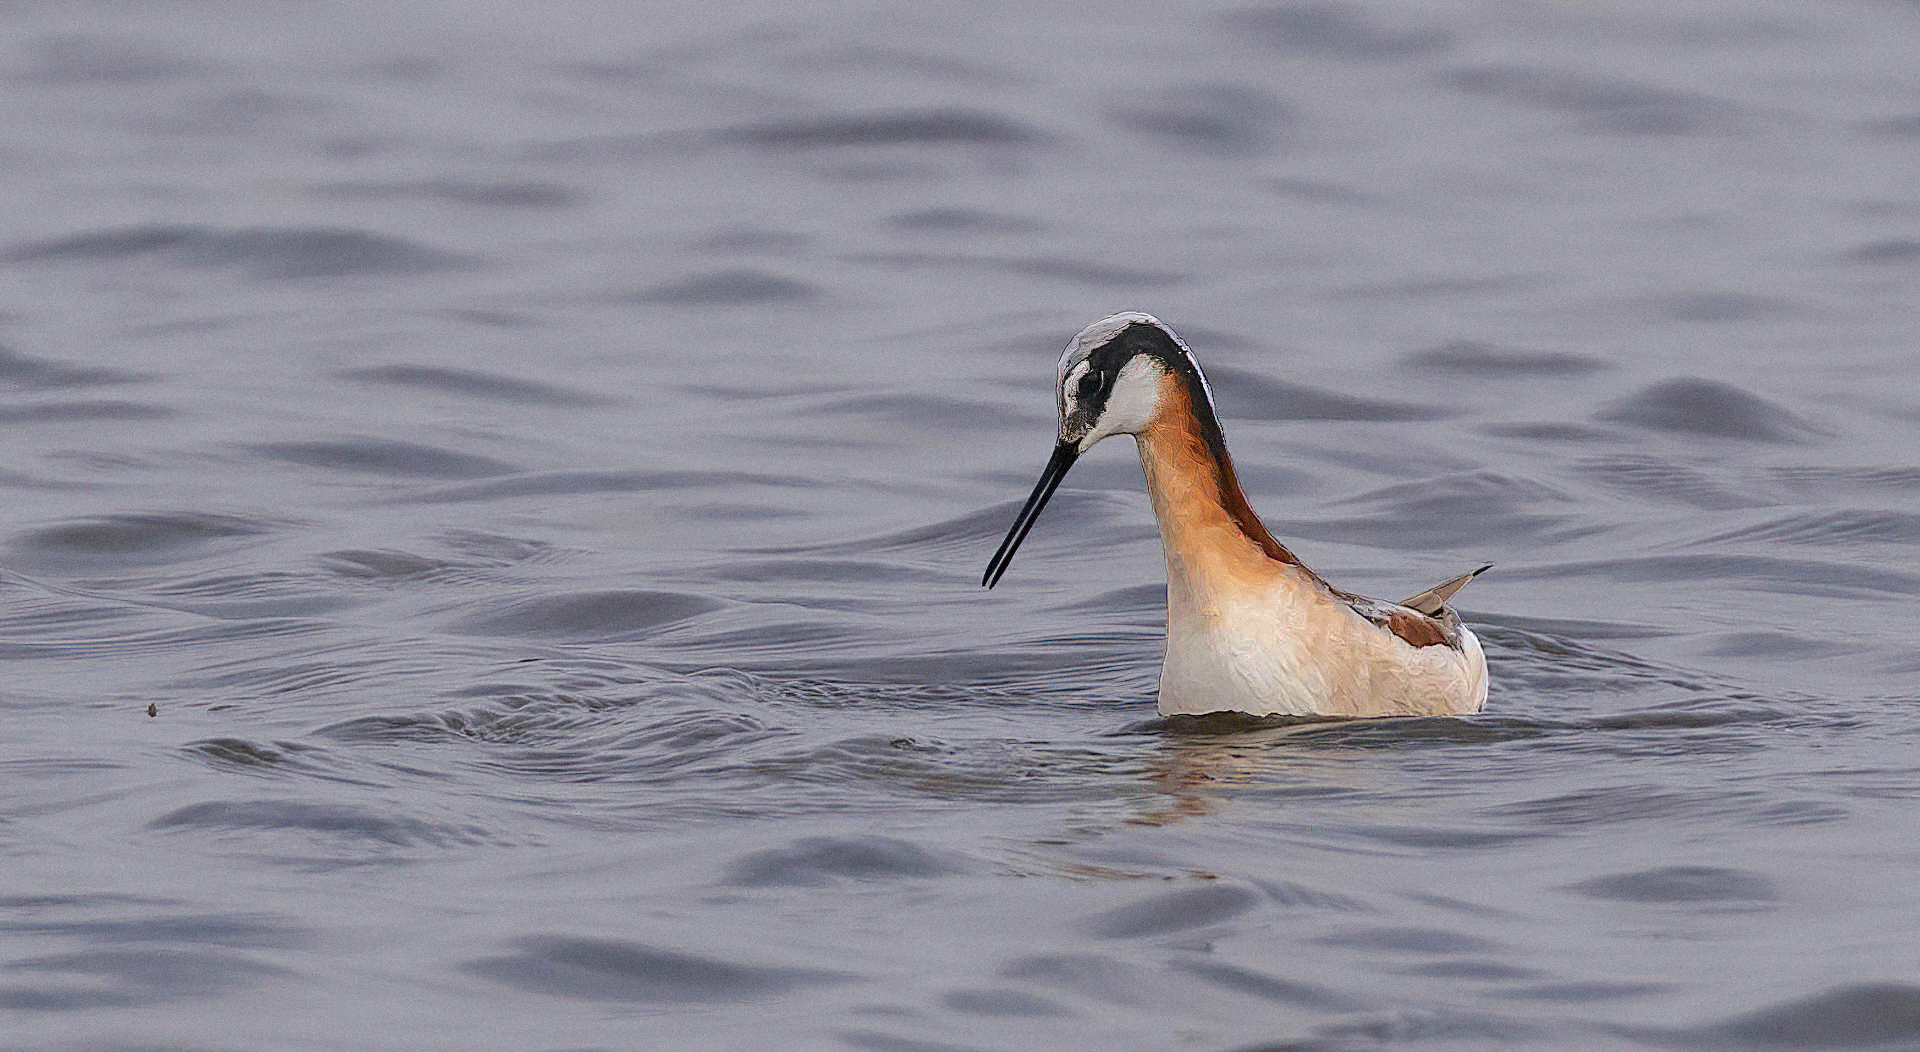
1249 627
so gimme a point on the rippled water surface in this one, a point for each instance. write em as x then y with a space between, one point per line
496 495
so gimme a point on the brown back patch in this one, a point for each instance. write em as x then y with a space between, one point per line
1417 630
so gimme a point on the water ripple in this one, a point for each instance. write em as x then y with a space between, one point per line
263 253
617 970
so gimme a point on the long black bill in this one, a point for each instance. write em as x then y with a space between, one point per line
1063 457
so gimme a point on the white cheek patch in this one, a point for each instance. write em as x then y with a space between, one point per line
1130 408
1069 384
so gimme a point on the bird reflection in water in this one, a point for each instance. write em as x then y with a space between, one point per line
1201 758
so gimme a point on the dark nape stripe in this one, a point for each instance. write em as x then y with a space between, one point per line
1140 338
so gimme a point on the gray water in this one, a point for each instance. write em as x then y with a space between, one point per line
537 460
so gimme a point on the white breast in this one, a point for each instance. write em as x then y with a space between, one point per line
1290 650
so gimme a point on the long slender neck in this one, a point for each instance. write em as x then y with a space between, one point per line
1206 525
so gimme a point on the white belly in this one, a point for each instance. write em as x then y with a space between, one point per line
1280 652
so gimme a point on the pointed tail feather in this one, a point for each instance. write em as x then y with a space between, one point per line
1432 600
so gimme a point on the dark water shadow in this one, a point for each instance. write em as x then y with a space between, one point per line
1246 395
1849 527
345 822
1605 105
617 970
1887 252
1709 408
232 930
1680 885
1173 911
993 1003
77 60
1222 119
1882 1015
1471 358
1750 573
1478 508
960 220
378 456
1331 29
262 253
558 483
931 127
130 977
1249 982
922 410
601 615
82 412
472 383
1069 269
1657 480
737 287
821 861
1324 192
1714 307
119 541
29 372
501 194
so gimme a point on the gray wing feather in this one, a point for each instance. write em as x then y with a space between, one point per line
1433 600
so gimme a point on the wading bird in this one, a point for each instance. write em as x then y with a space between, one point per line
1249 627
